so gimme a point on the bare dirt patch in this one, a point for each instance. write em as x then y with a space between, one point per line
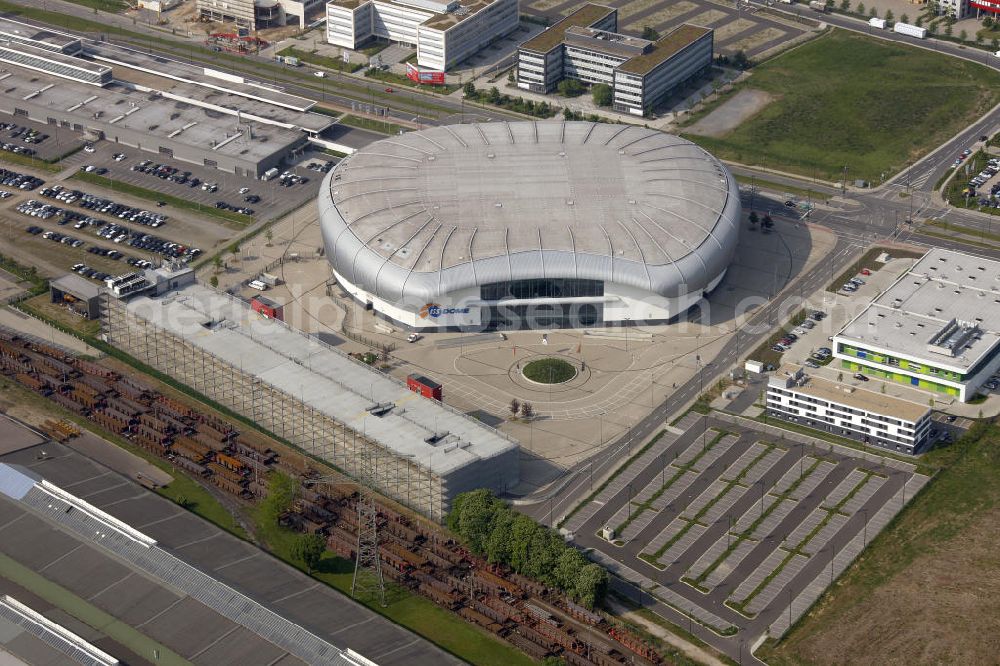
943 608
741 107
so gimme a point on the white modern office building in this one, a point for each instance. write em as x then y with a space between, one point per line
258 14
529 225
642 73
873 418
937 328
444 32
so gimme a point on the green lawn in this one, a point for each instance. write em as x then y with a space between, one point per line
845 99
549 371
311 58
372 124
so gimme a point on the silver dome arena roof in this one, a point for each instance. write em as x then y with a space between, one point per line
426 213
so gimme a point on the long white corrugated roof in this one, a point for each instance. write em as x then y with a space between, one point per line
323 378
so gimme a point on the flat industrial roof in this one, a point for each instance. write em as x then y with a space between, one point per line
59 40
869 401
327 380
553 36
943 286
664 48
77 286
149 113
56 57
181 71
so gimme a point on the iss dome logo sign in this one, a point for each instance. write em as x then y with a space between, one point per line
433 310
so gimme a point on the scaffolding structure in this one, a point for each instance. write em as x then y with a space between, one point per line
286 416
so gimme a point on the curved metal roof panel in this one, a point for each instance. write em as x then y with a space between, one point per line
428 213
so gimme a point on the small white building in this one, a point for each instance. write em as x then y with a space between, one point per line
873 418
444 32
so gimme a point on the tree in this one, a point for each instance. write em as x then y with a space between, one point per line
474 517
568 568
988 22
521 531
649 33
741 61
591 584
308 549
214 281
570 88
498 544
269 235
995 44
217 262
845 5
543 110
602 93
567 114
903 18
510 77
514 407
234 250
948 29
469 90
527 411
281 492
963 35
873 12
861 8
754 218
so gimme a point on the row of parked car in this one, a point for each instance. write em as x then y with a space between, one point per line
855 283
25 134
167 172
322 167
88 272
991 169
57 237
21 181
785 342
222 205
117 233
104 206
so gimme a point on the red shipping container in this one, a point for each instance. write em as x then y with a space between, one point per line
265 307
424 386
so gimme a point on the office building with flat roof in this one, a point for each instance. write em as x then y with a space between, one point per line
873 418
585 46
937 328
444 32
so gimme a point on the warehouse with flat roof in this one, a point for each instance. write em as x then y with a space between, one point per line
937 328
586 47
529 225
421 452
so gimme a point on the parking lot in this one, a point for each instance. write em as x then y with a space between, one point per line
739 525
274 198
61 210
17 133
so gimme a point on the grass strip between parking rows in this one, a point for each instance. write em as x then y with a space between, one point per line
590 498
797 549
732 483
154 196
748 532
